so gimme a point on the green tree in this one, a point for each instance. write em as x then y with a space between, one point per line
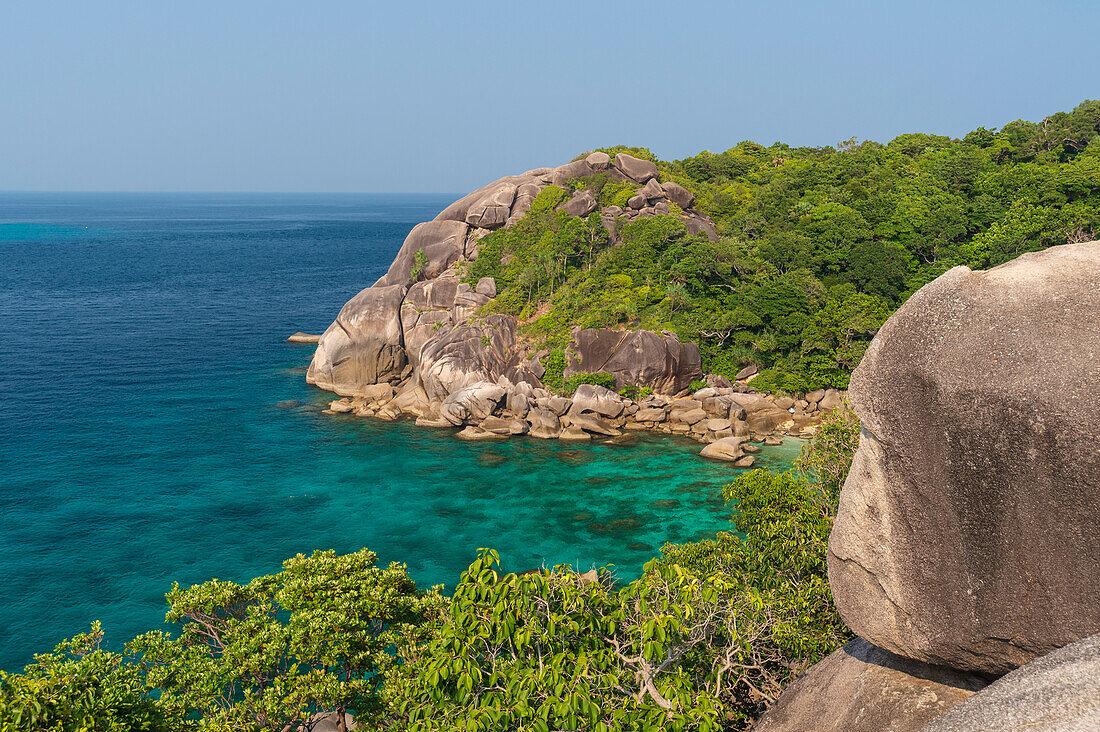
316 637
81 687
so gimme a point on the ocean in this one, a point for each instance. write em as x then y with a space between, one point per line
155 427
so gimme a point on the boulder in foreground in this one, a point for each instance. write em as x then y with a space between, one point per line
1060 691
862 688
968 532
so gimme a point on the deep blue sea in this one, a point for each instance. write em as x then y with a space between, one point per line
155 427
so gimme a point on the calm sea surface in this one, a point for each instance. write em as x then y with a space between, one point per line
154 427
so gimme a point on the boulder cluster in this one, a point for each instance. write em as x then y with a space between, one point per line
727 418
967 541
413 344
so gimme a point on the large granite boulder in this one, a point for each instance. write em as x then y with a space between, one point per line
641 358
1056 692
562 174
595 399
699 223
442 242
426 313
862 688
460 209
679 195
968 533
481 351
472 403
598 160
636 169
494 208
363 346
581 203
727 449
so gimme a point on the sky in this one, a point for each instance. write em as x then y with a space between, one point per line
407 96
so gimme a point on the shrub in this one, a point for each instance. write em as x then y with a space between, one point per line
598 378
630 391
777 381
554 363
697 385
81 687
316 637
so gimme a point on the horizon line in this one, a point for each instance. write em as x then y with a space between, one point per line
230 192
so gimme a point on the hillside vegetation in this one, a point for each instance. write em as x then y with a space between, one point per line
817 246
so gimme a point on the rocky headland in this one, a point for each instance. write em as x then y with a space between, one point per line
419 344
966 549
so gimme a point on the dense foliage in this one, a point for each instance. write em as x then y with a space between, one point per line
818 245
703 640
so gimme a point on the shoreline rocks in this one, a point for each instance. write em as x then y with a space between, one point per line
488 409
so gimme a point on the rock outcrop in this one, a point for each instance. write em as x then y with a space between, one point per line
416 344
481 351
638 358
862 688
364 346
968 533
442 243
301 337
1058 692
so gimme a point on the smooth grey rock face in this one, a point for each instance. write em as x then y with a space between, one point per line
581 204
968 532
363 346
1056 692
634 168
727 448
653 190
748 371
861 688
570 171
426 313
442 242
597 400
697 223
544 423
599 161
486 286
641 358
679 195
482 351
494 208
458 210
475 402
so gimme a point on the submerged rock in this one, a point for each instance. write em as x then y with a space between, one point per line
301 337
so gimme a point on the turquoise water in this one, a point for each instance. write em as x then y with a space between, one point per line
156 428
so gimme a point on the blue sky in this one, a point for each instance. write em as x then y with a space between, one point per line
443 97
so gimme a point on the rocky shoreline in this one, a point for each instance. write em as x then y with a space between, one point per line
728 419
